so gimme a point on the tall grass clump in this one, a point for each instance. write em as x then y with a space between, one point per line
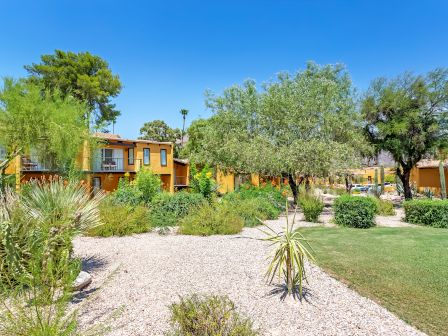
383 207
211 219
291 250
121 220
312 206
209 315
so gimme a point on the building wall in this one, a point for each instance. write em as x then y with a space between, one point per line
428 178
181 173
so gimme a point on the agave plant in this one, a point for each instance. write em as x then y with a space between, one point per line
288 260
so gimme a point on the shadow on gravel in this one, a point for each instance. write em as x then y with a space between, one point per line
282 292
80 296
93 263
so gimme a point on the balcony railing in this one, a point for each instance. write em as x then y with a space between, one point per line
180 180
36 163
108 164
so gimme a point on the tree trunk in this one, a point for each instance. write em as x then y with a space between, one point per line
307 184
348 185
293 186
405 177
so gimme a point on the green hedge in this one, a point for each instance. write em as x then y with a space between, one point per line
427 212
354 211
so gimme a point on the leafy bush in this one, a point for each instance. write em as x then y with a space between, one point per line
202 182
427 212
167 209
384 207
121 220
312 207
273 195
354 211
149 184
126 193
212 219
210 315
142 189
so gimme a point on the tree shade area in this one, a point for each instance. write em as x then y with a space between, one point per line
404 269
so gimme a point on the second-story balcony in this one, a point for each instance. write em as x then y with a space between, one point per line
37 163
108 164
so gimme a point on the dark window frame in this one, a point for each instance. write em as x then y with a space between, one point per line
147 149
166 157
129 156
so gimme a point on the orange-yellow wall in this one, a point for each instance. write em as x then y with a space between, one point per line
428 178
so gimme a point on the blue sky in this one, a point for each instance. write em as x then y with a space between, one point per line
167 53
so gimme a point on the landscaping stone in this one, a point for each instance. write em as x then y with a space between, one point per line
82 281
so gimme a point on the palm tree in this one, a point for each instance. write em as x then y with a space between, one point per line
184 113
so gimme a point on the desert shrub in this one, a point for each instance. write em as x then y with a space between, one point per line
209 315
312 207
126 193
383 207
121 220
427 212
273 195
354 211
202 182
149 184
167 209
211 219
142 189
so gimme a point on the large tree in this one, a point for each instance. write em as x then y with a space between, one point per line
47 123
297 126
158 130
84 76
407 116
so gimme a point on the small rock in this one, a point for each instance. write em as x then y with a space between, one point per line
82 281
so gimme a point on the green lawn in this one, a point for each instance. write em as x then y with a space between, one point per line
403 269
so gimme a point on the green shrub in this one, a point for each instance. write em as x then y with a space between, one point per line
427 212
142 189
384 207
121 220
149 184
273 195
211 219
354 211
312 207
202 182
209 315
167 209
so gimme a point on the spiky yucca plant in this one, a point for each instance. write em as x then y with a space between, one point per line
63 203
291 251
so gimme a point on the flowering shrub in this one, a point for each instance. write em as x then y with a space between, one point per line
202 182
141 190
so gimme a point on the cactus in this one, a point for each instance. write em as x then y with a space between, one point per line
442 181
383 178
375 183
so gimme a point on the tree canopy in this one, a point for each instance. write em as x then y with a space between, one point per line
302 124
48 123
84 76
158 130
407 116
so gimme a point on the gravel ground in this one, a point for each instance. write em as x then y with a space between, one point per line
138 277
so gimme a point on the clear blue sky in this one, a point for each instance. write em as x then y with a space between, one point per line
167 53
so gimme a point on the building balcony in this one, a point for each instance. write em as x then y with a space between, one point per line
108 165
36 163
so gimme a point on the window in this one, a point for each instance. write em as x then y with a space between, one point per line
163 157
146 155
130 156
107 155
2 153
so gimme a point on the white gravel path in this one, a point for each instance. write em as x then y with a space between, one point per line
152 271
